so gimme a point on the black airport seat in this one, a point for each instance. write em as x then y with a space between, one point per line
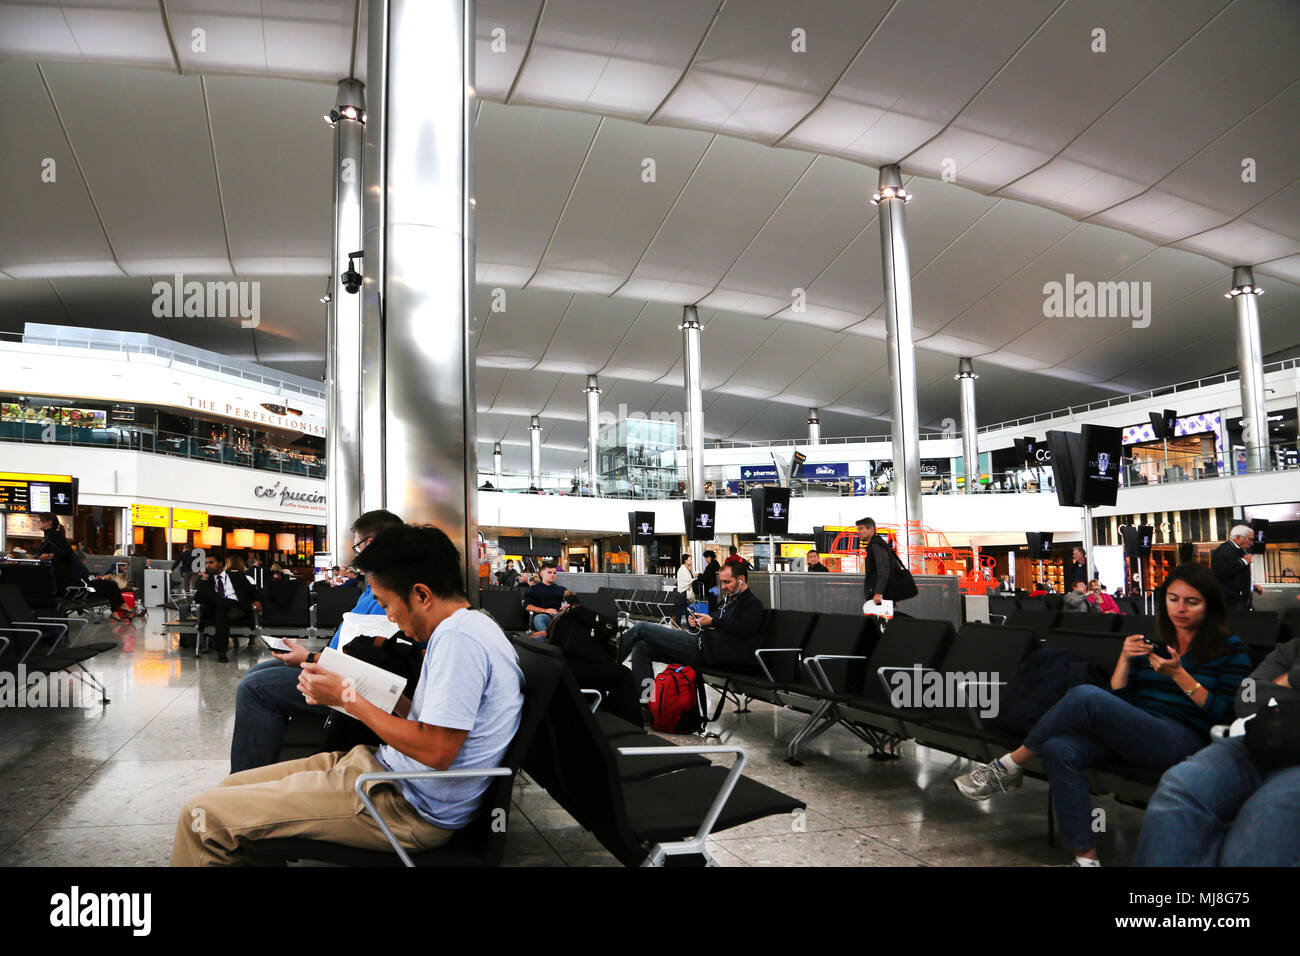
1104 648
1002 605
58 630
506 608
1089 621
286 604
331 604
1040 622
20 646
1291 625
647 821
866 711
483 841
1258 630
1033 603
36 582
1144 624
781 629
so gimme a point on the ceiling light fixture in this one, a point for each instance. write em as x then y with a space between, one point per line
343 112
891 192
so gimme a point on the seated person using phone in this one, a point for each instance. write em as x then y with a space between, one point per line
729 637
268 695
1165 694
465 712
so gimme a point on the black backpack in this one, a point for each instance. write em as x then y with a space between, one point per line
1041 680
584 635
394 654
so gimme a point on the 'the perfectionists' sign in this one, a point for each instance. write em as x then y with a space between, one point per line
255 414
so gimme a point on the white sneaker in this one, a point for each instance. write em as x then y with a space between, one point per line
986 780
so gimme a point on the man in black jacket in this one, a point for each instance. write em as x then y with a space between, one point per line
729 637
1231 565
225 595
879 561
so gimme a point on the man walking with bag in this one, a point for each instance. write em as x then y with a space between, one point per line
878 561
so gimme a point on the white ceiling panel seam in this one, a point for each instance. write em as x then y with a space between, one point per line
573 188
85 182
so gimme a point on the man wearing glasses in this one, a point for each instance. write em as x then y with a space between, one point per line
268 695
1231 565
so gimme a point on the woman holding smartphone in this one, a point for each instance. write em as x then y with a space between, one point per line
1164 697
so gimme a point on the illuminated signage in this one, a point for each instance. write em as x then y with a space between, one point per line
149 516
190 519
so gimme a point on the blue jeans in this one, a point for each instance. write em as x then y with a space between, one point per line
646 643
264 700
1091 725
1187 821
541 622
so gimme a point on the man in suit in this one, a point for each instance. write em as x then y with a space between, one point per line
1078 570
225 595
729 637
1231 565
879 561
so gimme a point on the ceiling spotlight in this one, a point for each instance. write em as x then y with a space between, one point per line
891 192
327 298
345 112
1237 290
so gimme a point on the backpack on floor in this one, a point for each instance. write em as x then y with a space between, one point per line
676 701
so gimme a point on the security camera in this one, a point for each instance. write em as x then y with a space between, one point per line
351 278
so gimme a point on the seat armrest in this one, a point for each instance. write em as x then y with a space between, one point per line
386 775
696 843
884 681
758 654
972 708
597 695
81 621
46 622
813 665
24 630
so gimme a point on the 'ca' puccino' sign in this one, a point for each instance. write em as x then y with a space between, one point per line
286 497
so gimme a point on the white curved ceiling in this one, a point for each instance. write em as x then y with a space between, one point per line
1115 165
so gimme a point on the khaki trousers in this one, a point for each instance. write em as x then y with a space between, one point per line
311 798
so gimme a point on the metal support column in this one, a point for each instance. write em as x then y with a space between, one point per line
904 430
814 427
343 458
966 375
1250 366
593 432
418 293
535 454
692 372
496 465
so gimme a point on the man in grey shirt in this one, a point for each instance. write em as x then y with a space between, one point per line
466 710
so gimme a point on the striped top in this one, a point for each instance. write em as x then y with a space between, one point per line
1157 694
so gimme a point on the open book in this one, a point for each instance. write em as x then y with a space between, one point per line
380 687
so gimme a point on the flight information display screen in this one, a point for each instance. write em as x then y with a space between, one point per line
24 493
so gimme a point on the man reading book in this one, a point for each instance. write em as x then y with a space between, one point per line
465 712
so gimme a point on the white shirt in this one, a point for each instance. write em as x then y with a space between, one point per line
224 587
684 581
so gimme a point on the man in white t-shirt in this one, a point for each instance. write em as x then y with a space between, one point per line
465 712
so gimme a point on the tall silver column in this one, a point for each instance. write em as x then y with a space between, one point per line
343 324
496 464
692 370
904 432
969 436
1250 365
535 452
418 327
814 427
593 432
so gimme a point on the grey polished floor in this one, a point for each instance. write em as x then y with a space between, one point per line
102 785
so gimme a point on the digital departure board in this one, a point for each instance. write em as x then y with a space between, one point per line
26 493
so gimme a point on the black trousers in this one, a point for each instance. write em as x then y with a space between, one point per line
622 696
221 611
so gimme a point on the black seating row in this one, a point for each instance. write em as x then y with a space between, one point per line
1005 604
837 669
647 801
